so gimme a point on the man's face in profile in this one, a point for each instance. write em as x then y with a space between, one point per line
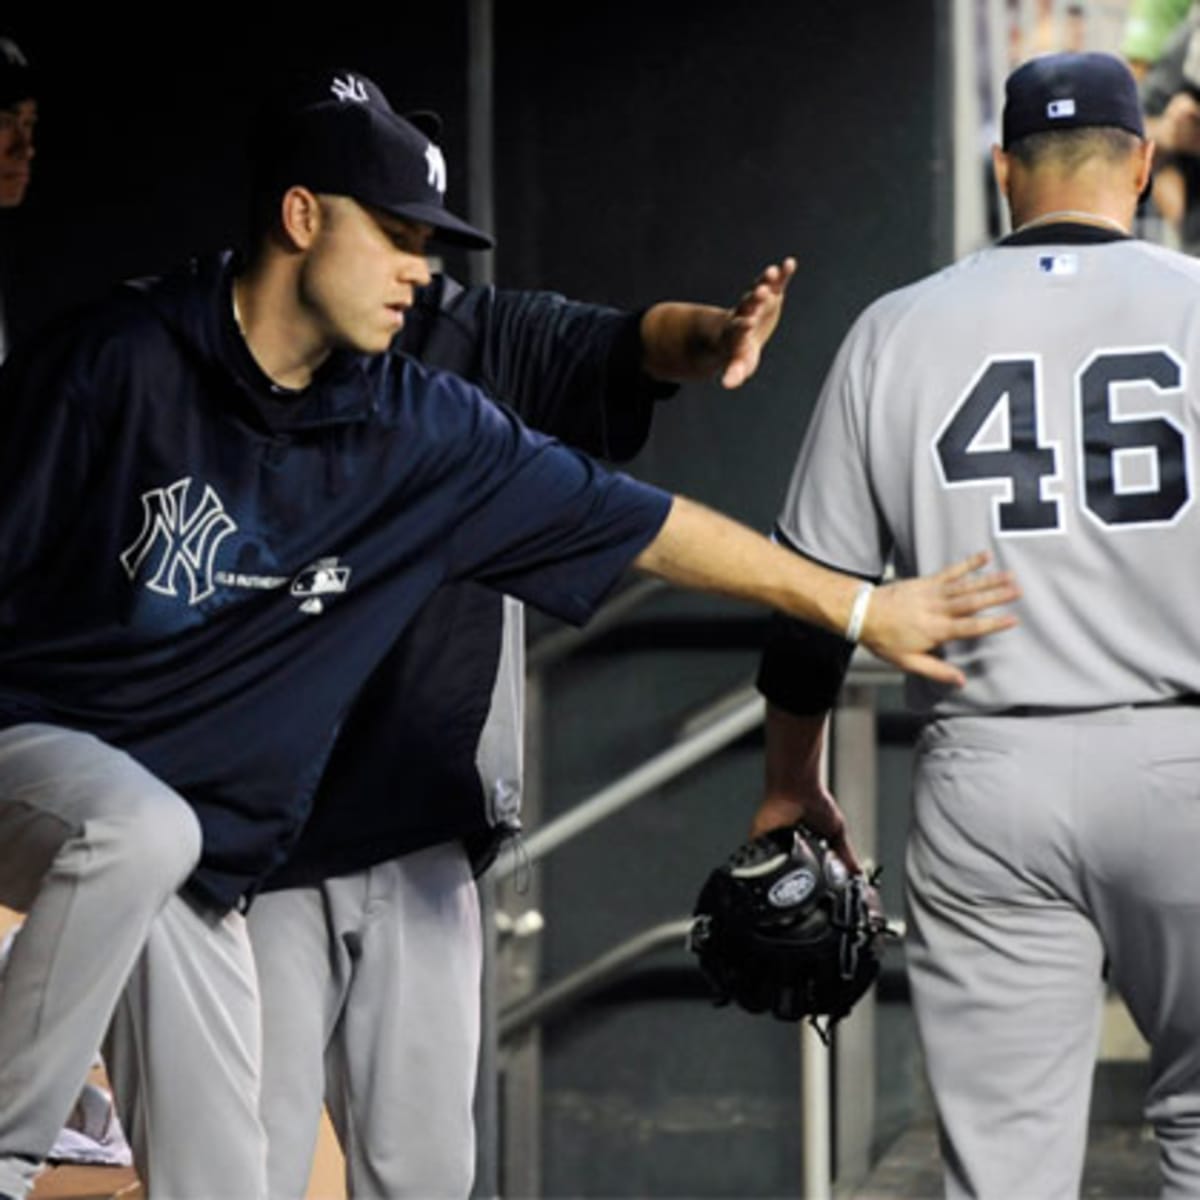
17 123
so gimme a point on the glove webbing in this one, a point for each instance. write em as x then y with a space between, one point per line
850 915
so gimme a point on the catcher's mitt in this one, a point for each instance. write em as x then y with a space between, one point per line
784 927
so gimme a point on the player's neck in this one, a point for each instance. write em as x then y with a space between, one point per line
1075 216
284 342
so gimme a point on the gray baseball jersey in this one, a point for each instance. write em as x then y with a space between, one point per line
1037 400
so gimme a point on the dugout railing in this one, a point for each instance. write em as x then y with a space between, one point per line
837 1122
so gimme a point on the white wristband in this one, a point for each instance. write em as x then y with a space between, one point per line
858 612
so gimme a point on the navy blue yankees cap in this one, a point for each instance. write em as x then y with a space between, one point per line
1070 91
17 79
335 132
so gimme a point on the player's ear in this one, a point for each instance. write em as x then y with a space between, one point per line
1000 168
1145 169
300 216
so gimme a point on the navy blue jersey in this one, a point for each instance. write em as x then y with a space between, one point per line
204 572
403 774
568 368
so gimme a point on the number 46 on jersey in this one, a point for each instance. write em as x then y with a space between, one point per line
1133 471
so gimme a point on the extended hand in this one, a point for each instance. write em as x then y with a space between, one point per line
752 321
907 619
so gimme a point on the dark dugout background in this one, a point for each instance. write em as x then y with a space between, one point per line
642 151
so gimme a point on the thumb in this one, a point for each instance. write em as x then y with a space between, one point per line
742 365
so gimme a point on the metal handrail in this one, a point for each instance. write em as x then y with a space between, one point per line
738 719
702 735
588 979
713 728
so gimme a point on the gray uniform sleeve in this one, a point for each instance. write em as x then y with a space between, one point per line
829 512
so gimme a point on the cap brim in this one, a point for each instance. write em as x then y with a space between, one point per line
447 227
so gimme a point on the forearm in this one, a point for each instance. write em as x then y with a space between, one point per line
701 549
683 343
793 760
902 622
795 791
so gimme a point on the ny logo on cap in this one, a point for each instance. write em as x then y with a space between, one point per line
437 168
1057 109
349 89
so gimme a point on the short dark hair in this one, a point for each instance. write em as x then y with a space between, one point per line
1071 148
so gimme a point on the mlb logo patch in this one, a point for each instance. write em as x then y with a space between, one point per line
1058 264
1056 110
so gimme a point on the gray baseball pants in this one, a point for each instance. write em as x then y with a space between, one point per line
371 1002
93 849
1042 848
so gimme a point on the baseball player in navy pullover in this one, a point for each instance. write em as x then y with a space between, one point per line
222 501
367 939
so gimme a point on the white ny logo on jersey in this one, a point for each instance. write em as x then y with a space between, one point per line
437 168
349 88
185 541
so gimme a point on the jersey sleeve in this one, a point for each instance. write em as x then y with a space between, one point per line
829 512
570 369
544 522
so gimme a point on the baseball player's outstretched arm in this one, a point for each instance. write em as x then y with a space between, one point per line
701 549
684 342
